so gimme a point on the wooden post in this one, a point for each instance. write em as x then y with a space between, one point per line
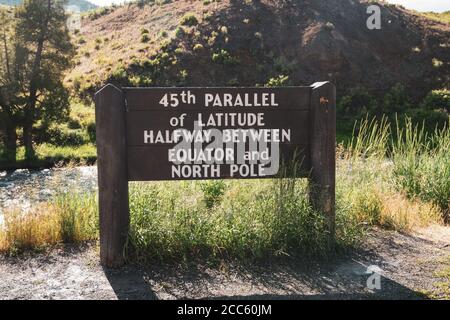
112 174
323 151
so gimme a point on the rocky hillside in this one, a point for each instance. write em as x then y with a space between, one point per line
233 42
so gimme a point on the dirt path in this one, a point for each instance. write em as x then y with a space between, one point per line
411 265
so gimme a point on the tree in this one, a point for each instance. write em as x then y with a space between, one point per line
8 87
43 53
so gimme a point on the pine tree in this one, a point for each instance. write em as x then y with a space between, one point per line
8 87
43 53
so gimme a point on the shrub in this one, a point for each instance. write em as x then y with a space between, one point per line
91 131
182 75
179 32
145 38
198 47
223 30
179 50
99 12
119 73
279 81
437 99
396 100
212 38
189 19
224 58
283 65
234 82
430 119
329 25
73 124
213 192
62 136
437 63
356 104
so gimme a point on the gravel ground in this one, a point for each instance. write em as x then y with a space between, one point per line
408 265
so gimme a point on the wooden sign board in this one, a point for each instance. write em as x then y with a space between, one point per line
147 134
209 125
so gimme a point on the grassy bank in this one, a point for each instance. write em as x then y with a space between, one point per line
398 185
48 155
70 141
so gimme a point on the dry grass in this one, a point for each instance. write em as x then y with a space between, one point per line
69 218
400 213
28 230
366 189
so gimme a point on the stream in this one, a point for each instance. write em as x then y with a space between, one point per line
23 188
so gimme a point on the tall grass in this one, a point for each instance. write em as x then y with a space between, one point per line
68 218
422 165
254 219
369 140
396 179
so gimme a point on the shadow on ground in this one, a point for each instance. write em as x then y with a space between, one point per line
406 264
343 278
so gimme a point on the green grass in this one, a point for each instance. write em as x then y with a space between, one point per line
68 142
175 220
441 285
48 155
422 165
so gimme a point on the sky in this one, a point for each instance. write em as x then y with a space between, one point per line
424 5
419 5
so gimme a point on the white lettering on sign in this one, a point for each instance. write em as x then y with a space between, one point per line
227 135
231 119
207 144
174 99
247 100
196 171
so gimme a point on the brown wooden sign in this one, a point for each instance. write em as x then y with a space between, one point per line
214 133
209 133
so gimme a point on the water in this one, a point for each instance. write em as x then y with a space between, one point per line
23 188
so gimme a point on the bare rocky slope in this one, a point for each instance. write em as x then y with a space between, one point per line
250 42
